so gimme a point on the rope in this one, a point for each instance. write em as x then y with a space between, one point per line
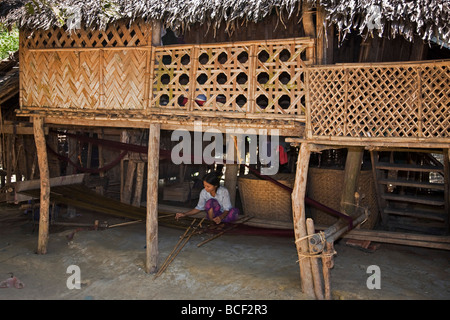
318 254
357 206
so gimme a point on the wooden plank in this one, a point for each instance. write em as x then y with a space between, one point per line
416 214
408 167
410 183
21 186
373 143
435 242
413 199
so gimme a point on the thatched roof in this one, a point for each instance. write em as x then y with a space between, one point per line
429 19
9 77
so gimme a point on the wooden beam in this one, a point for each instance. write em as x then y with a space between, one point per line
18 129
299 217
152 199
39 138
308 20
375 143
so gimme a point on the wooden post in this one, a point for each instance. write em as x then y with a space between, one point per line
128 187
351 177
231 173
231 170
327 264
39 138
151 262
140 166
308 20
446 153
9 158
152 198
314 262
54 166
101 163
299 217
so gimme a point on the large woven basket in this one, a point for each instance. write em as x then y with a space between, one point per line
325 186
265 200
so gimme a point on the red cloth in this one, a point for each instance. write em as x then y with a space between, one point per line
283 155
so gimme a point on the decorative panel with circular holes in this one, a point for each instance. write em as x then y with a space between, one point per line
250 77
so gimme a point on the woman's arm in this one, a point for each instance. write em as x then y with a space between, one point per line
185 214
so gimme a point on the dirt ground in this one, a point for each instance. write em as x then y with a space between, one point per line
231 267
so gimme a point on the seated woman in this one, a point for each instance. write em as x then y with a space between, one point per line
215 200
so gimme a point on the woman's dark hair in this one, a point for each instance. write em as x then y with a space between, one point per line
212 178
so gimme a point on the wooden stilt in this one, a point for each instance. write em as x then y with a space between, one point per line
101 163
139 182
9 158
152 199
299 217
39 137
129 179
231 173
351 176
54 166
314 263
327 264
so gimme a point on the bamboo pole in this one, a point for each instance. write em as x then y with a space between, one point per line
314 262
39 137
152 199
299 216
233 226
179 246
185 234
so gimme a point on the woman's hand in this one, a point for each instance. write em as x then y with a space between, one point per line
179 215
217 219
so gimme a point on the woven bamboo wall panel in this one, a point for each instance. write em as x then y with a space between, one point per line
250 77
120 34
401 100
85 79
60 79
124 79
